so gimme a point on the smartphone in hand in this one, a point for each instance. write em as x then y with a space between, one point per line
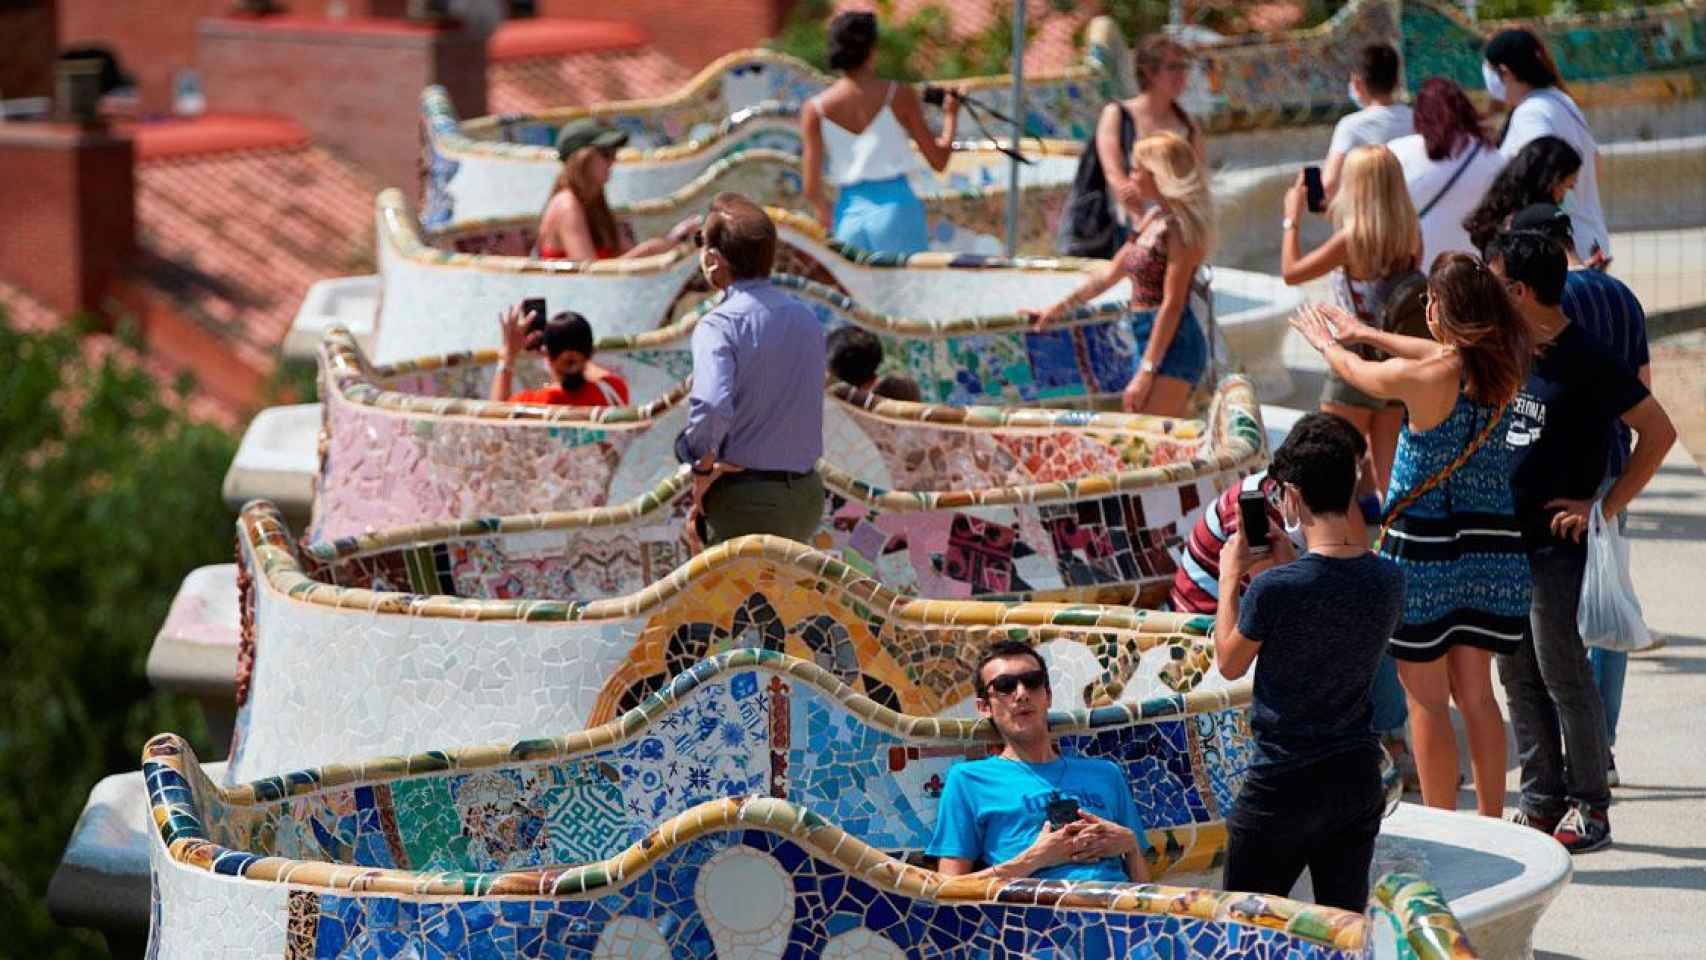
1253 521
533 313
1062 811
1314 193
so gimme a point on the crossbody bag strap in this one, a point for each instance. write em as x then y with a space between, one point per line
1451 182
1410 499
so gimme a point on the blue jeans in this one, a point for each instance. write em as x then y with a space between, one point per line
1609 669
1391 710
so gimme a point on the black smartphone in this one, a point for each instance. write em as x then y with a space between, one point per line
1315 195
1253 519
1062 811
533 311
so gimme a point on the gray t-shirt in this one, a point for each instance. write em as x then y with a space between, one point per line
1323 623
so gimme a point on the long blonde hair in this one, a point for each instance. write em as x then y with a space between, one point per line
1374 206
575 178
1183 186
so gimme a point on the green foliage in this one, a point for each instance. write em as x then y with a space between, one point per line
108 497
920 47
1527 9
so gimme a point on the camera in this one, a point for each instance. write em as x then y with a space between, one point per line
934 95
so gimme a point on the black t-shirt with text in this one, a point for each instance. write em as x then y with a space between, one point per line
1561 423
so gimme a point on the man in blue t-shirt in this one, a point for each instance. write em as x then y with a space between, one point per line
1029 811
1315 628
1604 307
1562 427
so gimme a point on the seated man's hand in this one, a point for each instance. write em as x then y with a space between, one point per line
1099 839
1053 846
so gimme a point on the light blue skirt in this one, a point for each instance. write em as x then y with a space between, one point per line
882 216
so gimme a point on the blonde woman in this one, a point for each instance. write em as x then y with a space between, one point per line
1376 241
1169 242
577 223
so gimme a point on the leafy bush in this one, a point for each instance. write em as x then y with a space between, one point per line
108 497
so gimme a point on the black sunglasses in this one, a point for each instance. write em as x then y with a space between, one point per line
1005 684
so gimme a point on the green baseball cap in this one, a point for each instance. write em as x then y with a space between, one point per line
588 132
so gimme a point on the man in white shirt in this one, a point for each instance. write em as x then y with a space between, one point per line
1380 120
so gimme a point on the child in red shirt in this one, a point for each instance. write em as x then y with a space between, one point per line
566 341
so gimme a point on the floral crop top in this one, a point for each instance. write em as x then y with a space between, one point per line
1144 256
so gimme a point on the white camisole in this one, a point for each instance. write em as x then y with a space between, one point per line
882 151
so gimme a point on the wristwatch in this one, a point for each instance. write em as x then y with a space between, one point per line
1287 224
1146 366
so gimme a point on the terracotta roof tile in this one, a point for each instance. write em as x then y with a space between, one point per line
235 239
540 83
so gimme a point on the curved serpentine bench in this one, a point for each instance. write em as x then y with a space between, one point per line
454 635
1040 500
328 853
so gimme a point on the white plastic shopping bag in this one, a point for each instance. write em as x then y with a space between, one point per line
1609 614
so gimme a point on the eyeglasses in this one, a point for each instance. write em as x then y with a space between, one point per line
1006 683
1276 494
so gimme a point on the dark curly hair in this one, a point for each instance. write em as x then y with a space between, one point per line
852 37
1532 176
1319 457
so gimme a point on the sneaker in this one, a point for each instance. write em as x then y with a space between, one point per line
1523 818
1582 829
1611 773
1404 761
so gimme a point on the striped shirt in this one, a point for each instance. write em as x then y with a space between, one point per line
1196 583
1606 309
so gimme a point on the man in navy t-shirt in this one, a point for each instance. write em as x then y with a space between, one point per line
1606 308
1561 427
1029 811
1316 628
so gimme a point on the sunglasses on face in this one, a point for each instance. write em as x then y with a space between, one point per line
1006 683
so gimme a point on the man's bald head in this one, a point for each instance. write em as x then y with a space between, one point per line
741 232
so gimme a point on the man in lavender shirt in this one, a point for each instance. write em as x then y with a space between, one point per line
755 415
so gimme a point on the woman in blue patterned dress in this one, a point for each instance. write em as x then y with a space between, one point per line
1449 519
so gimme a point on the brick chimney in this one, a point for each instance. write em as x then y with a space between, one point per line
354 82
29 36
67 200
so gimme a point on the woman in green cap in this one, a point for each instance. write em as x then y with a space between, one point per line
577 223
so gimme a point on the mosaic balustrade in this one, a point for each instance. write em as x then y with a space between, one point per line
503 165
945 501
367 644
965 205
435 300
484 853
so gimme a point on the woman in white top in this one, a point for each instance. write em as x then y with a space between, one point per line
1520 73
865 128
1448 165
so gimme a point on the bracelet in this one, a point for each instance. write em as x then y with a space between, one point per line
1147 366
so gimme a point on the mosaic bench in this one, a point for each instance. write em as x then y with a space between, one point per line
459 636
965 205
501 166
1052 498
425 857
435 300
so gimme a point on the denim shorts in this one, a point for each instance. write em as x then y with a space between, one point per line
1187 356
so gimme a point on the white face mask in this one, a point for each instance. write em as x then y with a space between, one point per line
1495 83
1356 98
1291 526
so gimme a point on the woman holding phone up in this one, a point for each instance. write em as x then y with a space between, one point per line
1450 521
1376 241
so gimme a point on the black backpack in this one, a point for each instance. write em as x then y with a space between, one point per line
1404 304
1087 225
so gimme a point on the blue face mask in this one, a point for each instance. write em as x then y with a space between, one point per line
1495 83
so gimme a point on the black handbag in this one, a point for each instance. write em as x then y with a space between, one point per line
1087 225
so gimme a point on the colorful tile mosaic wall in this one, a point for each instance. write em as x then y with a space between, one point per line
949 502
365 650
752 877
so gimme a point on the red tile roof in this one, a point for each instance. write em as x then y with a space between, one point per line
233 240
555 36
213 133
539 83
